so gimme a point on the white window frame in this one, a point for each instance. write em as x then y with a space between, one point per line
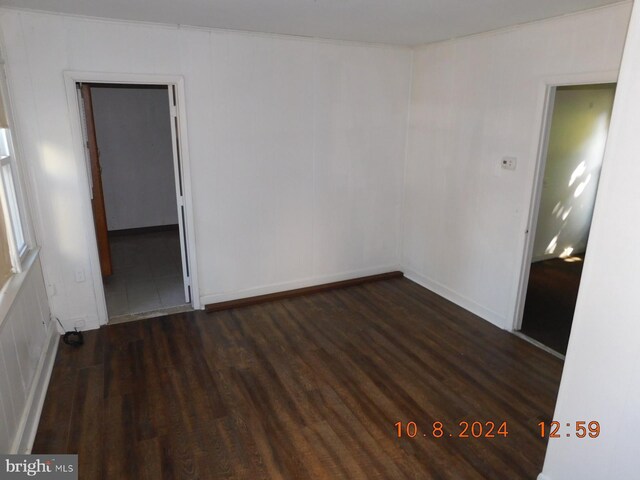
11 205
14 209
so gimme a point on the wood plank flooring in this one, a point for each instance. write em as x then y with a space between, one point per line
303 388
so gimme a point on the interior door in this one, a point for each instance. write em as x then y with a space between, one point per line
177 165
97 195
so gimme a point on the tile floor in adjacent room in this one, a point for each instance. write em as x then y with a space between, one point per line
147 273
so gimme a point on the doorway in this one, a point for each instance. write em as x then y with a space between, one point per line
133 158
575 141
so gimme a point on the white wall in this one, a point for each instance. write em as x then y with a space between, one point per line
601 376
474 101
28 341
577 138
296 148
134 137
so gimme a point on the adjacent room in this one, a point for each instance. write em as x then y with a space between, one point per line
135 208
317 239
575 143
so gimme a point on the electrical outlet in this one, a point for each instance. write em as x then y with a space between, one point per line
509 163
80 275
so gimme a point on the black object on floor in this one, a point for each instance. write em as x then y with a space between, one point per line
551 301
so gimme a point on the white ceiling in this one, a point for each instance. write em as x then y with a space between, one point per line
402 22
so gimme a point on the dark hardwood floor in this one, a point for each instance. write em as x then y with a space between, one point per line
552 293
303 388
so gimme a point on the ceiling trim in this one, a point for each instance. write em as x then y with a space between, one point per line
218 30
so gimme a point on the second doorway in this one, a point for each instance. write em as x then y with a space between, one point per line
575 144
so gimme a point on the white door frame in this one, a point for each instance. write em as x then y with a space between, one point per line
70 79
547 92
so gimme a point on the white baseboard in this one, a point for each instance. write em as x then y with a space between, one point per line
542 476
538 344
460 300
28 427
282 287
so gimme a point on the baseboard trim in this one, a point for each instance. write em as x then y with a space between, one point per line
142 230
460 300
270 297
538 344
35 401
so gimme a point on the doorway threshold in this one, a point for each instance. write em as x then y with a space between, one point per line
538 344
132 317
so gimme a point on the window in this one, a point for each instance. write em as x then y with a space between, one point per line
9 191
13 243
6 267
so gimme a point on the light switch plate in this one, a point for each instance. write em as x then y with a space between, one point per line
509 163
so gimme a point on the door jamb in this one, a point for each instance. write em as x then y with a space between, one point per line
547 90
70 79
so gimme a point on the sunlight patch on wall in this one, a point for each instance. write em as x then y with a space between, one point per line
577 140
552 245
578 172
566 252
61 178
580 188
55 164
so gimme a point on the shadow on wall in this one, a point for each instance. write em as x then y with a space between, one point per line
577 139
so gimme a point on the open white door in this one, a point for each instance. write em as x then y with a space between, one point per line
177 166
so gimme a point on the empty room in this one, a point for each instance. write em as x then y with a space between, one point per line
319 239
